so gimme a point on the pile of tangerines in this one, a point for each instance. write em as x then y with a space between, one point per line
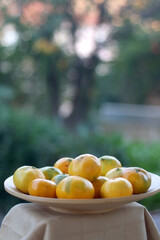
84 177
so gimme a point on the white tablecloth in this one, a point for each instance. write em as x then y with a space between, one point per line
29 221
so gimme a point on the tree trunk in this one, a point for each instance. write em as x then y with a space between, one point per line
84 85
53 89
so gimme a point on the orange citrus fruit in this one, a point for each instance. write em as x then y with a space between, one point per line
74 187
63 164
49 172
97 184
42 188
118 187
108 163
115 172
59 178
87 166
139 178
24 175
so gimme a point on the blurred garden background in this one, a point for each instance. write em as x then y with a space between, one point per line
79 76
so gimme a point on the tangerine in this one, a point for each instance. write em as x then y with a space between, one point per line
118 187
87 166
24 175
97 184
108 163
42 188
49 172
139 178
75 187
59 178
63 164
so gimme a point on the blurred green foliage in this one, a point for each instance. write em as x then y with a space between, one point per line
78 54
26 139
134 74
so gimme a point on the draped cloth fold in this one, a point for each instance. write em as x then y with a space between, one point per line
28 221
